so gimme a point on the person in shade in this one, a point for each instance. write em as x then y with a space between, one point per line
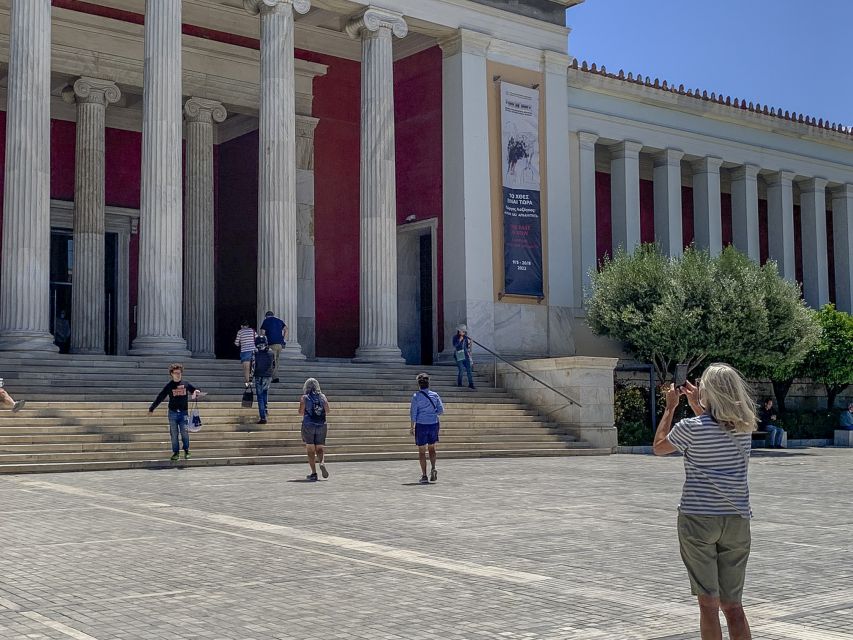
8 401
245 341
714 513
846 420
462 355
179 394
424 410
766 418
264 363
314 407
276 333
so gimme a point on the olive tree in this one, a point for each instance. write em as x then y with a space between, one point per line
830 361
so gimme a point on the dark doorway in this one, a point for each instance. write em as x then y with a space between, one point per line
110 292
426 310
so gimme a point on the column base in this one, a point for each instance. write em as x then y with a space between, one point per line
292 351
203 355
379 354
87 352
160 346
26 341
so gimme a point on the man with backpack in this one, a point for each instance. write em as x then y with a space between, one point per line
314 407
425 408
275 331
264 365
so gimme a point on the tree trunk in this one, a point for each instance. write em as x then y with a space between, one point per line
780 390
832 392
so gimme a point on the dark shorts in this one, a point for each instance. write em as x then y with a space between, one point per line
426 434
715 550
314 433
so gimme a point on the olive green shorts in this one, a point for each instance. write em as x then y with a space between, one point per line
715 550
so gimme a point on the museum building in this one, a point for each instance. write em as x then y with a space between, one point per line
375 174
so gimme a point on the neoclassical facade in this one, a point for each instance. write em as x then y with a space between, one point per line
174 166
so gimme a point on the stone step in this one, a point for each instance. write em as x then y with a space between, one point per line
198 461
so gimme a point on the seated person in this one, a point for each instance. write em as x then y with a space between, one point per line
766 418
847 418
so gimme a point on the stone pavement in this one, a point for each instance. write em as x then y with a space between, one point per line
562 548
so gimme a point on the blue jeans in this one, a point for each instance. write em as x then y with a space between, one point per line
774 435
178 422
262 386
466 365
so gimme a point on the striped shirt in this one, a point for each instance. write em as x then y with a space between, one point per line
716 464
246 340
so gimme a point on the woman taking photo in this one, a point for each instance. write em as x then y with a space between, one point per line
714 512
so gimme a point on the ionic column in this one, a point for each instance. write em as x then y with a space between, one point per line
589 253
842 238
780 222
305 304
667 188
198 239
25 279
745 210
159 316
707 207
813 229
87 292
625 194
277 252
378 241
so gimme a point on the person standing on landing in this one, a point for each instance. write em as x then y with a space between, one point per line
245 340
276 333
714 513
314 407
264 363
178 392
425 408
462 355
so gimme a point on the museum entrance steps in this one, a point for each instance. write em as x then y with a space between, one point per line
90 413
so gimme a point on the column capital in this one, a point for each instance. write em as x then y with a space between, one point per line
465 41
587 139
708 164
262 6
843 191
203 110
305 126
813 185
92 90
373 20
783 178
745 172
626 149
669 157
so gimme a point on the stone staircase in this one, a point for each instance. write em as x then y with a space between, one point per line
91 413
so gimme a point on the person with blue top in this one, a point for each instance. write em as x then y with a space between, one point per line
275 331
425 408
847 418
462 355
314 407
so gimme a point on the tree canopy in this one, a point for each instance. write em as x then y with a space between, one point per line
830 361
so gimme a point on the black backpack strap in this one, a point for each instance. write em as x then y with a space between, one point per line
434 408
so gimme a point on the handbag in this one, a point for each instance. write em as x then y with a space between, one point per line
195 419
247 398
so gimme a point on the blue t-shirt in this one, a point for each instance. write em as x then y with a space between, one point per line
274 330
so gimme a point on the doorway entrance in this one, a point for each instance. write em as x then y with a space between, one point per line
417 326
61 282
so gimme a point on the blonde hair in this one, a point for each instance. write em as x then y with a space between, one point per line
727 398
311 385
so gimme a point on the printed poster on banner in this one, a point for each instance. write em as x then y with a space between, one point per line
521 191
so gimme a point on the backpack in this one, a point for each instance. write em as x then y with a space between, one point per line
317 411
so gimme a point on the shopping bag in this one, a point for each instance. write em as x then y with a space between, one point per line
195 419
247 398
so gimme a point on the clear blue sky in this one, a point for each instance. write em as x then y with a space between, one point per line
793 54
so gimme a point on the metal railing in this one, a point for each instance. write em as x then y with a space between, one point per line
497 357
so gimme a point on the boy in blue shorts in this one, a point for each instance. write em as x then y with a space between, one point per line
425 408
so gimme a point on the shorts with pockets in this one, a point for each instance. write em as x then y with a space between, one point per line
426 434
715 550
314 434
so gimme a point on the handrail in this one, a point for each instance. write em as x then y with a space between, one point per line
527 373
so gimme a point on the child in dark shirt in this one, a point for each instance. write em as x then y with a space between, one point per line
178 392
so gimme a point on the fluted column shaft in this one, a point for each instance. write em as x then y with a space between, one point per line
378 241
813 228
745 211
667 194
25 279
625 194
589 253
198 239
87 292
159 316
842 239
780 222
277 224
707 205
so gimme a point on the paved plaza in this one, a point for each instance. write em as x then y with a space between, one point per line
556 548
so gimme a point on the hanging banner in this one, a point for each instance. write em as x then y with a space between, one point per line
521 190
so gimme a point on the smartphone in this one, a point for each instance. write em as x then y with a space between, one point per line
680 375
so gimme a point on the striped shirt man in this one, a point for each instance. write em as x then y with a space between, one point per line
716 464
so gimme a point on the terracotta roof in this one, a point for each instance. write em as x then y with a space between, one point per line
728 101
